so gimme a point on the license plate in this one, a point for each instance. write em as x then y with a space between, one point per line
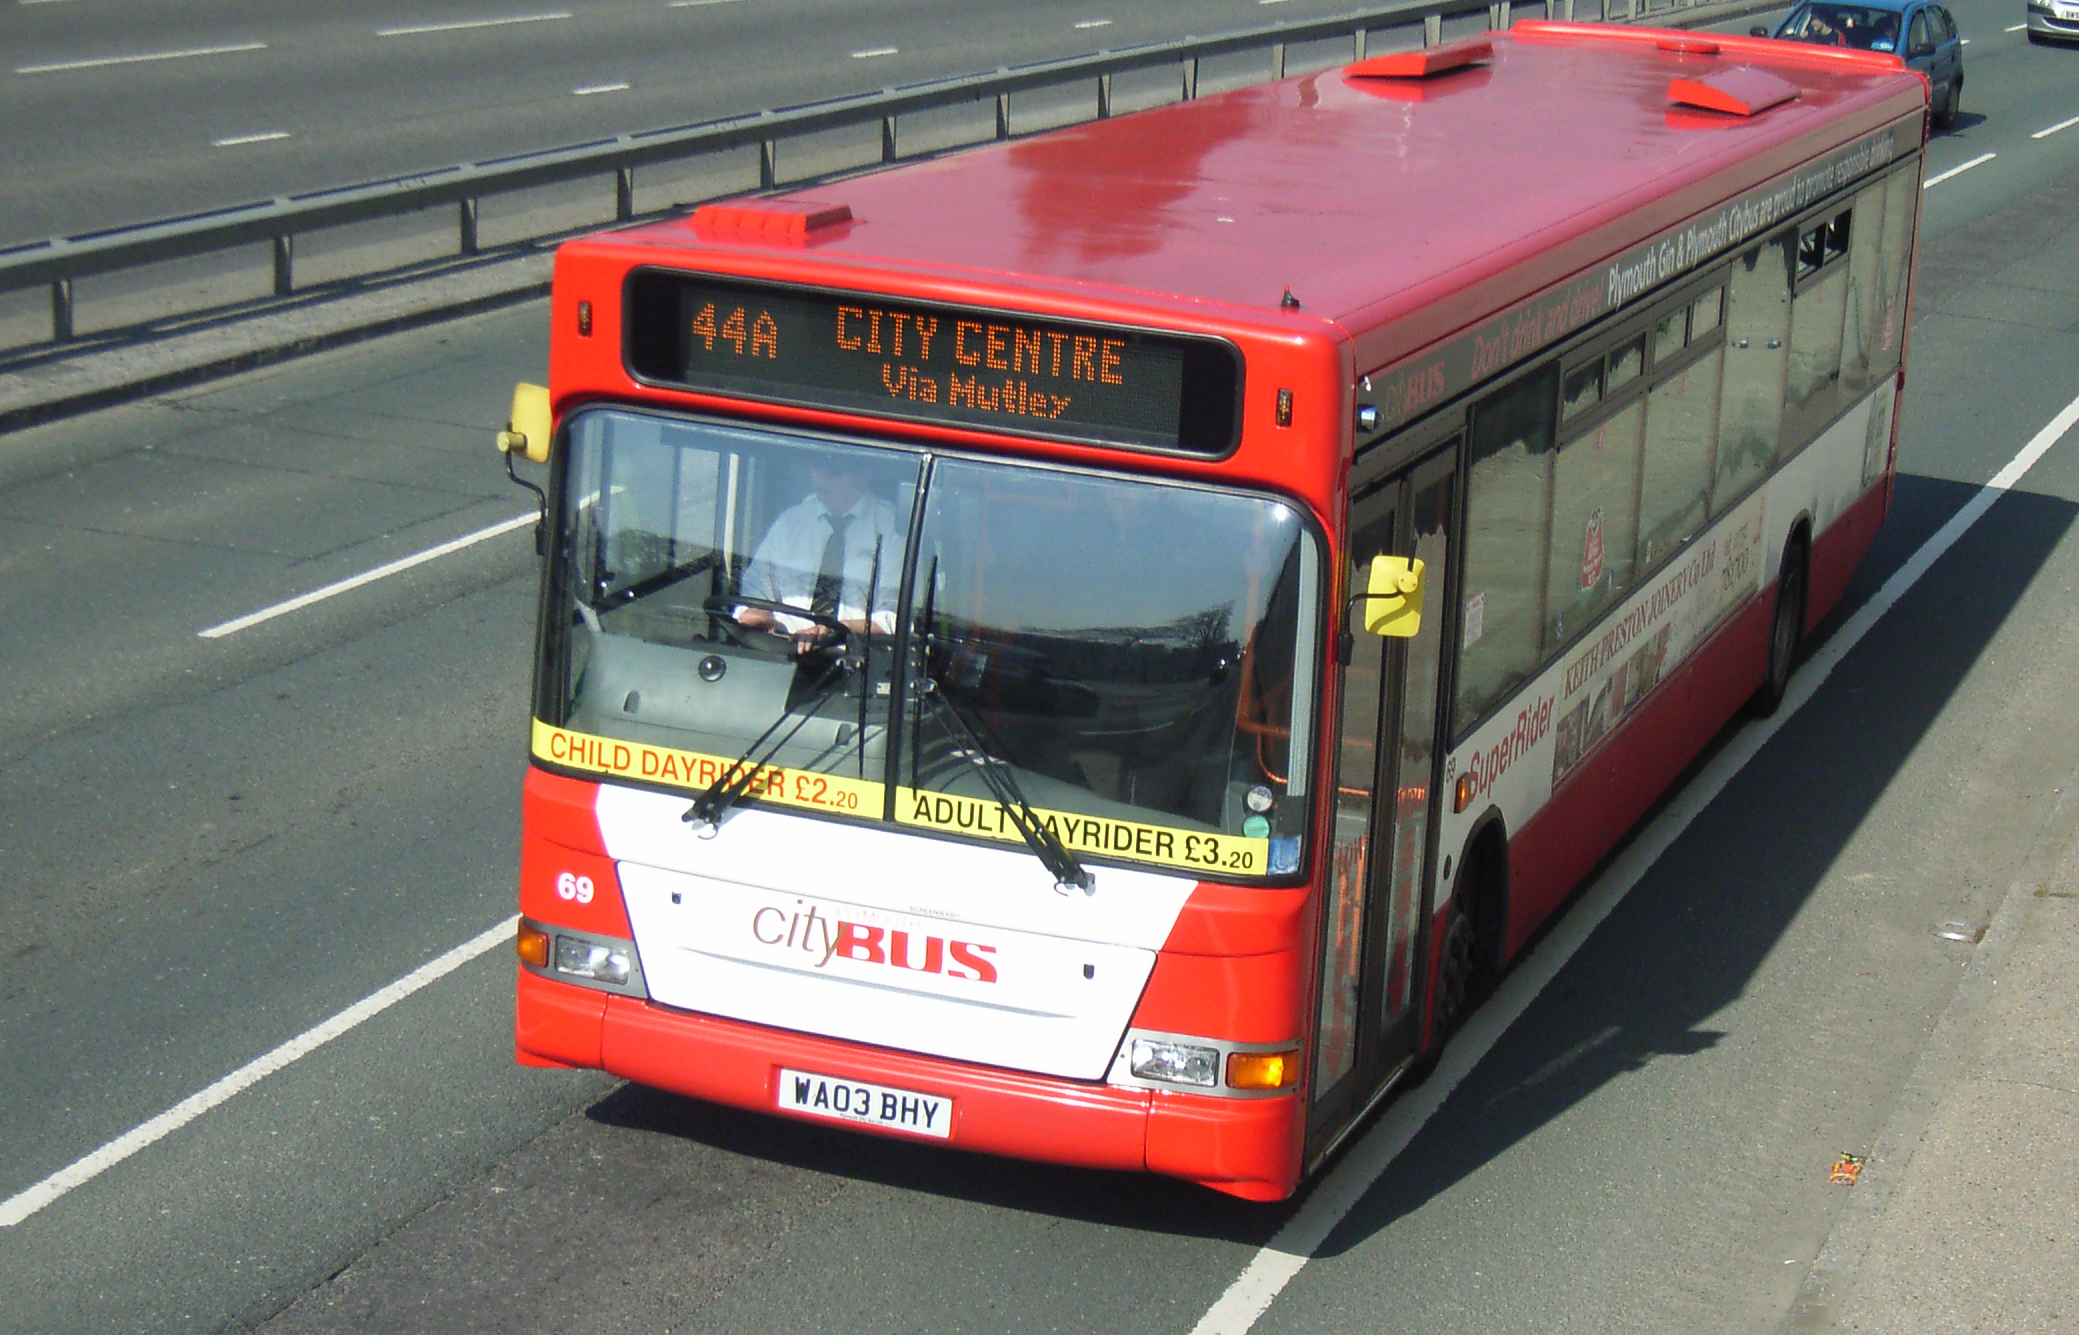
868 1105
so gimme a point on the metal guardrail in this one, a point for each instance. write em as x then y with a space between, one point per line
62 260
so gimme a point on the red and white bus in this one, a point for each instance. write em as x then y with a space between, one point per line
1098 647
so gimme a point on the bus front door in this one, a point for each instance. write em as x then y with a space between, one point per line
1374 912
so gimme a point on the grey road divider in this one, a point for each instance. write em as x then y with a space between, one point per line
69 373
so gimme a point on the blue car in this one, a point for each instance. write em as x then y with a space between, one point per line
1930 42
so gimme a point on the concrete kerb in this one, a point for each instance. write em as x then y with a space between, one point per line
150 363
1830 1283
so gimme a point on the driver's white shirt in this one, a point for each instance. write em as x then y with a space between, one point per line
788 560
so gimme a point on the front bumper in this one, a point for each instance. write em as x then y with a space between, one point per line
1244 1147
2045 23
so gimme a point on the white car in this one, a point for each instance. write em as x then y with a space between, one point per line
2053 20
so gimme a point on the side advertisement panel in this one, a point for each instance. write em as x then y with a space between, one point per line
1517 758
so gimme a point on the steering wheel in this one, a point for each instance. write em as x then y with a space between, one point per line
724 607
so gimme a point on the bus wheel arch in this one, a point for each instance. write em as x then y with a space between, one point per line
1787 621
1470 955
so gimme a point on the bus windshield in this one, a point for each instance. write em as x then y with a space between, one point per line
1134 657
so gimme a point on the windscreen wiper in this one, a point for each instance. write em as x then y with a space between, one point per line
996 773
725 792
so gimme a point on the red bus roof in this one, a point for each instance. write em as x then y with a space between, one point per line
1399 209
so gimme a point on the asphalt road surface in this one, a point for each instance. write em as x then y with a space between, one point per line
122 110
210 845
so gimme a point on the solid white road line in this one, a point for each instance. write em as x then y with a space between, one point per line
1978 161
333 590
2051 130
2016 28
22 1204
1093 23
591 89
1286 1254
874 51
417 29
235 140
100 62
697 4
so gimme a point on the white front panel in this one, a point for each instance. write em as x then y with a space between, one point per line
888 938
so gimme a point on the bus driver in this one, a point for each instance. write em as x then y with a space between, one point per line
820 554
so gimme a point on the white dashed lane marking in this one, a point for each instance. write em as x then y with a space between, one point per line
1959 170
99 62
24 1203
352 582
461 25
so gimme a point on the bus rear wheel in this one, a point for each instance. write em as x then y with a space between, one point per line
1786 629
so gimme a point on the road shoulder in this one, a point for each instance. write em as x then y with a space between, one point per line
1965 1215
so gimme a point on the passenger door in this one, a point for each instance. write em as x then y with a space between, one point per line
1374 942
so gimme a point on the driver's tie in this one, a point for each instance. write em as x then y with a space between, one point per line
830 578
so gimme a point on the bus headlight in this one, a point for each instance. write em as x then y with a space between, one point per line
589 959
1175 1063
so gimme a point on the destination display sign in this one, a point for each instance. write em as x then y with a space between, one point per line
957 365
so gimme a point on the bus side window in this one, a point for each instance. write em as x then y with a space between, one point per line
1863 329
1595 521
1508 514
1816 314
1681 432
1757 360
1894 264
1894 260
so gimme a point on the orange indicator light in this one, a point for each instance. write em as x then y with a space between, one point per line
534 947
1463 797
584 319
1284 407
1262 1070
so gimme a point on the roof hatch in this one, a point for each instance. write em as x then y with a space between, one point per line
1739 90
781 220
1425 62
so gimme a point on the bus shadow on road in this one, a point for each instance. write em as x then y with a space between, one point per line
1655 981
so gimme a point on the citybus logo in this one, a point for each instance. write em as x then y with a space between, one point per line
825 938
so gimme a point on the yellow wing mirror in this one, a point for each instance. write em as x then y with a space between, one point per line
1393 597
528 430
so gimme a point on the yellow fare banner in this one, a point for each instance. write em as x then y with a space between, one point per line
777 784
1104 836
1188 850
